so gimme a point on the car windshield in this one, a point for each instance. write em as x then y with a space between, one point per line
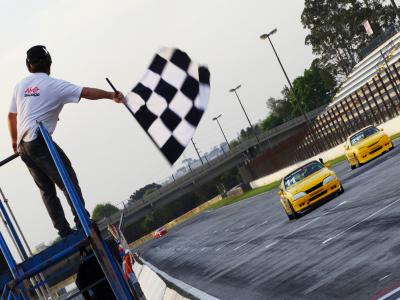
359 136
302 173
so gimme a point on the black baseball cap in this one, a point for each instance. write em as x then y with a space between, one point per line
38 54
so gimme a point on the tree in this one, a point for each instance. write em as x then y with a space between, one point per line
281 111
233 143
103 211
336 33
144 191
314 88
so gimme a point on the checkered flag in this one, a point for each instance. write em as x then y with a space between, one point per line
170 100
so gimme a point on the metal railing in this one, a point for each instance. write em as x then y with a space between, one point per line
376 101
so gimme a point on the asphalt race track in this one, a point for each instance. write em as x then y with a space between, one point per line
348 248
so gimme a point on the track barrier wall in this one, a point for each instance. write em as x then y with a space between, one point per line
390 127
157 285
369 96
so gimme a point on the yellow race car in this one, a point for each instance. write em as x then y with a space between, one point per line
365 145
306 186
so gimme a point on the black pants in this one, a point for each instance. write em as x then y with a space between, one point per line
37 157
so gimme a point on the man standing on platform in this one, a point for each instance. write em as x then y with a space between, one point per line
40 97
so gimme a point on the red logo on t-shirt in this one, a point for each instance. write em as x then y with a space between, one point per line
32 92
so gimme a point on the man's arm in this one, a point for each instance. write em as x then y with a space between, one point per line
96 94
12 128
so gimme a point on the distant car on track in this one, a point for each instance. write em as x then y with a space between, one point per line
365 145
306 186
160 232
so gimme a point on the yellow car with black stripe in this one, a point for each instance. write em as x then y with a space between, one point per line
306 186
365 145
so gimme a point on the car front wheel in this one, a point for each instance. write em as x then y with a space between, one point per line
294 214
358 164
341 190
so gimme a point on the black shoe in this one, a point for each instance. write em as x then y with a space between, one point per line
79 225
65 232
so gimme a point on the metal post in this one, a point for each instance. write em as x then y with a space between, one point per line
17 242
394 85
347 116
356 121
338 129
190 169
370 106
14 235
321 132
375 101
197 151
247 117
332 128
389 113
367 120
325 130
345 129
222 148
395 8
267 36
389 75
226 140
12 265
110 268
310 142
397 77
389 96
76 202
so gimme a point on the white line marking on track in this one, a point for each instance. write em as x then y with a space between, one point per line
231 241
294 231
340 204
358 223
249 241
384 277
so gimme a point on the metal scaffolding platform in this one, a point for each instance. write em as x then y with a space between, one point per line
23 279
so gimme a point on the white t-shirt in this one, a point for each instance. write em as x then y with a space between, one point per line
40 97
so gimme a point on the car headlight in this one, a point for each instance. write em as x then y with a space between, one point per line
299 195
328 179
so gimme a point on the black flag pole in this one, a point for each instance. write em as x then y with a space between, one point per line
116 91
130 110
8 159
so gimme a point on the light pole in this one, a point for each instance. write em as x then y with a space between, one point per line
226 140
308 122
234 90
395 8
267 36
197 151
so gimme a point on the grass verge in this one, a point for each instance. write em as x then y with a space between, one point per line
395 136
337 160
246 195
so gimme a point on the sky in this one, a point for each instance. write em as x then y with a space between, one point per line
93 39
